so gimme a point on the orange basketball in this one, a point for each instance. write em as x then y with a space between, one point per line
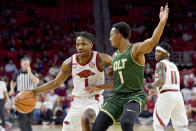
25 101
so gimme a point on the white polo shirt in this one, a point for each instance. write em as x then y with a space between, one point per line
2 89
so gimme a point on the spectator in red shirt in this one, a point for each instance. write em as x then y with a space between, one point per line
61 91
149 107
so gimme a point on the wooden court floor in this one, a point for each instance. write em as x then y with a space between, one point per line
113 128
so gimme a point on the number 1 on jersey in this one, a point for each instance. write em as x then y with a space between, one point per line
121 77
173 77
86 83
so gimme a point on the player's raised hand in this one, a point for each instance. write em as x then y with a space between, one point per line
164 13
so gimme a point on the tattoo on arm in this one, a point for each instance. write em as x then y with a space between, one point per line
104 60
100 63
160 70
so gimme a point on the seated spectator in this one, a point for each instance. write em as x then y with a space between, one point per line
61 91
149 108
54 70
52 97
37 110
58 112
46 115
10 67
39 65
186 36
192 106
47 103
48 78
146 116
189 80
186 94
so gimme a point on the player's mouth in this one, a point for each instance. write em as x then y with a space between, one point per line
81 52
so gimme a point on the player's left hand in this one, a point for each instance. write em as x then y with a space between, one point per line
164 13
92 88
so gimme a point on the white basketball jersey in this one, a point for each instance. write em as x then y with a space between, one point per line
172 80
85 75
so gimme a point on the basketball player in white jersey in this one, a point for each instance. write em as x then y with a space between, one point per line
86 68
170 102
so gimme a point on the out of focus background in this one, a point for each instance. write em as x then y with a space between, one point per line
43 30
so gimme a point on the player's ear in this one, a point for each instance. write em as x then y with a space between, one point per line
118 35
91 45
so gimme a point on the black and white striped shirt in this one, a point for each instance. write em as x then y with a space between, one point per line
23 80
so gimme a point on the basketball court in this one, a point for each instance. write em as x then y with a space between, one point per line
113 128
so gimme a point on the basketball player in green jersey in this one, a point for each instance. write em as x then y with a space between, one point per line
128 99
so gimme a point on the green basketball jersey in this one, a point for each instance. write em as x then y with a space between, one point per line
128 75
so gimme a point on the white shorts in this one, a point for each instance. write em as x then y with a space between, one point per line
72 121
170 105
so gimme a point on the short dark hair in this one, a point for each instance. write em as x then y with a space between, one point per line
165 46
26 58
123 28
85 34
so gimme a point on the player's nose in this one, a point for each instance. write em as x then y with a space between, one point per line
80 47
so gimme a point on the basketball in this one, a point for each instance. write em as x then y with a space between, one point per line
25 102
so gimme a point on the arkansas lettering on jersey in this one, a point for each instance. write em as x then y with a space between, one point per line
85 75
172 75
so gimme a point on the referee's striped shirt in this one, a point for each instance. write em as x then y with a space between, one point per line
23 80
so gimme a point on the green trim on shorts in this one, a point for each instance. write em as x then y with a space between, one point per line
140 104
108 115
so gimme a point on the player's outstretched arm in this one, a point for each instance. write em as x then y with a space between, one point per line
108 85
148 45
60 78
160 81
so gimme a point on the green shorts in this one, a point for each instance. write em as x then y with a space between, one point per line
116 103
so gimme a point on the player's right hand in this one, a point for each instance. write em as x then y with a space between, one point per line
11 92
109 71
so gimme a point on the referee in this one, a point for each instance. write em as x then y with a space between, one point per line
24 79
